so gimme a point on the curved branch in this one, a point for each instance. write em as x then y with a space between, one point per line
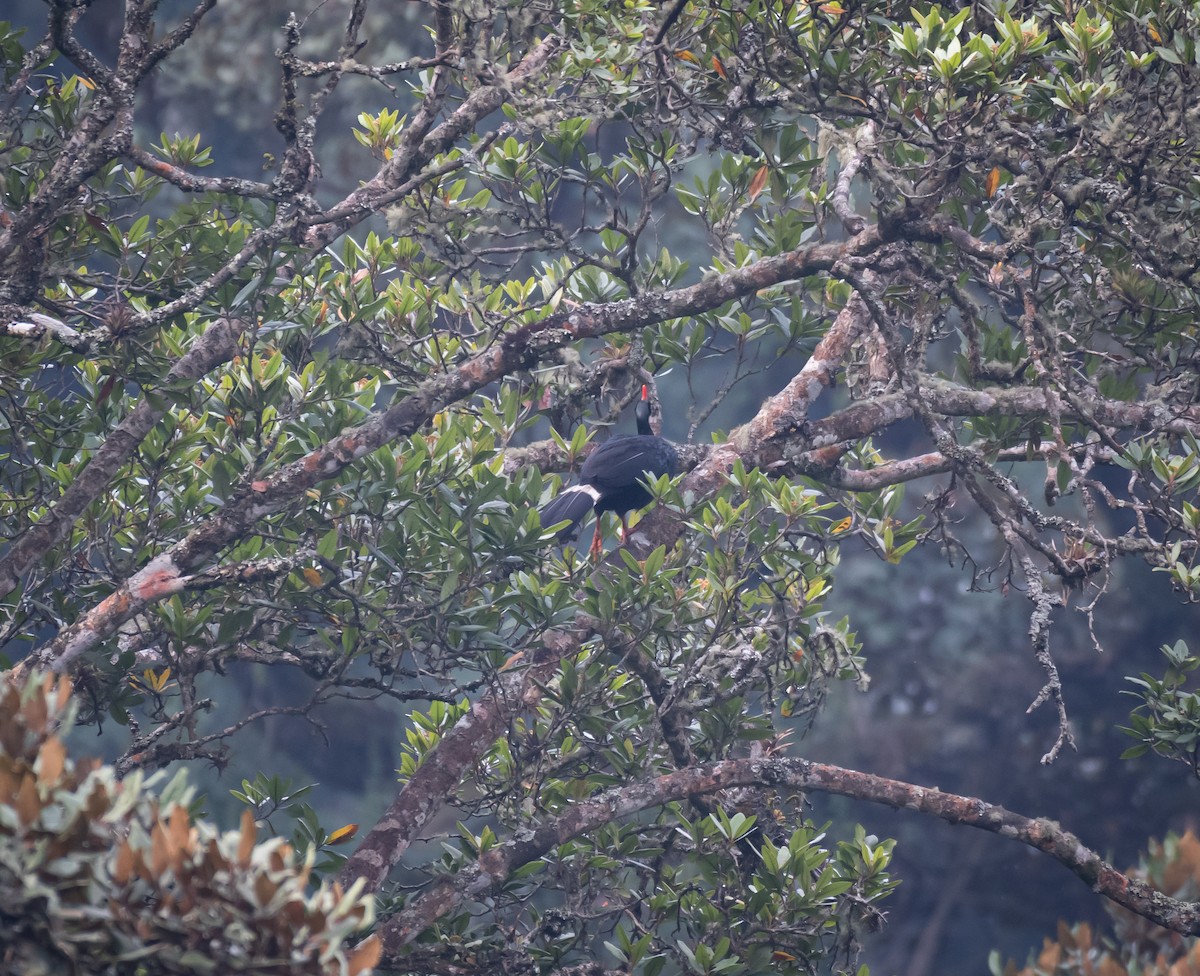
496 866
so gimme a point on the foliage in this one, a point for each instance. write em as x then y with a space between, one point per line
1168 720
101 875
269 795
274 444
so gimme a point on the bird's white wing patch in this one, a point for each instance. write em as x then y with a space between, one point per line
592 492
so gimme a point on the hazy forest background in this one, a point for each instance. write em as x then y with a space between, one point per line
945 640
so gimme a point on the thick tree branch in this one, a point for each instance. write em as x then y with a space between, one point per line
34 326
216 346
516 350
495 867
428 790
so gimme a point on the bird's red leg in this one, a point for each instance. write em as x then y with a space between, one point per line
624 530
597 542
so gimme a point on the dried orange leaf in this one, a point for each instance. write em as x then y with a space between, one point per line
992 184
160 850
26 801
51 759
718 67
123 867
179 826
758 182
249 832
366 956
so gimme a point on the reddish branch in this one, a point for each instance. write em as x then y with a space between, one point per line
215 346
495 867
783 414
516 350
437 778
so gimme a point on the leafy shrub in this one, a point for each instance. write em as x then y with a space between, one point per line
100 875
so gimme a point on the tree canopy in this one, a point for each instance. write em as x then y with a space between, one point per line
275 427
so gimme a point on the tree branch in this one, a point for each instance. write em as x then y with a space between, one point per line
493 868
443 768
515 350
215 346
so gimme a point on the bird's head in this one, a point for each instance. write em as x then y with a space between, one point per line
642 412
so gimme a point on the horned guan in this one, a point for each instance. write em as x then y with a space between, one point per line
613 478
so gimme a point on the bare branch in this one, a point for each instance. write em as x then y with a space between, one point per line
495 867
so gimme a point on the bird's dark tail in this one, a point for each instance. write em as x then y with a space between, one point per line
570 505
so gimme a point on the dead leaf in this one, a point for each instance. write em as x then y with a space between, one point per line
51 760
992 183
249 832
366 956
758 182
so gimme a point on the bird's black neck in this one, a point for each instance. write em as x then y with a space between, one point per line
642 413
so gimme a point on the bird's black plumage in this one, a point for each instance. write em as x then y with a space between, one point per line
613 477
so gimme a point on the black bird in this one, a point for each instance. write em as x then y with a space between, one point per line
613 478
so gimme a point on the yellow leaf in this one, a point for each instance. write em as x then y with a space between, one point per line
843 525
1155 36
156 681
758 182
342 833
687 56
834 9
312 576
992 183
